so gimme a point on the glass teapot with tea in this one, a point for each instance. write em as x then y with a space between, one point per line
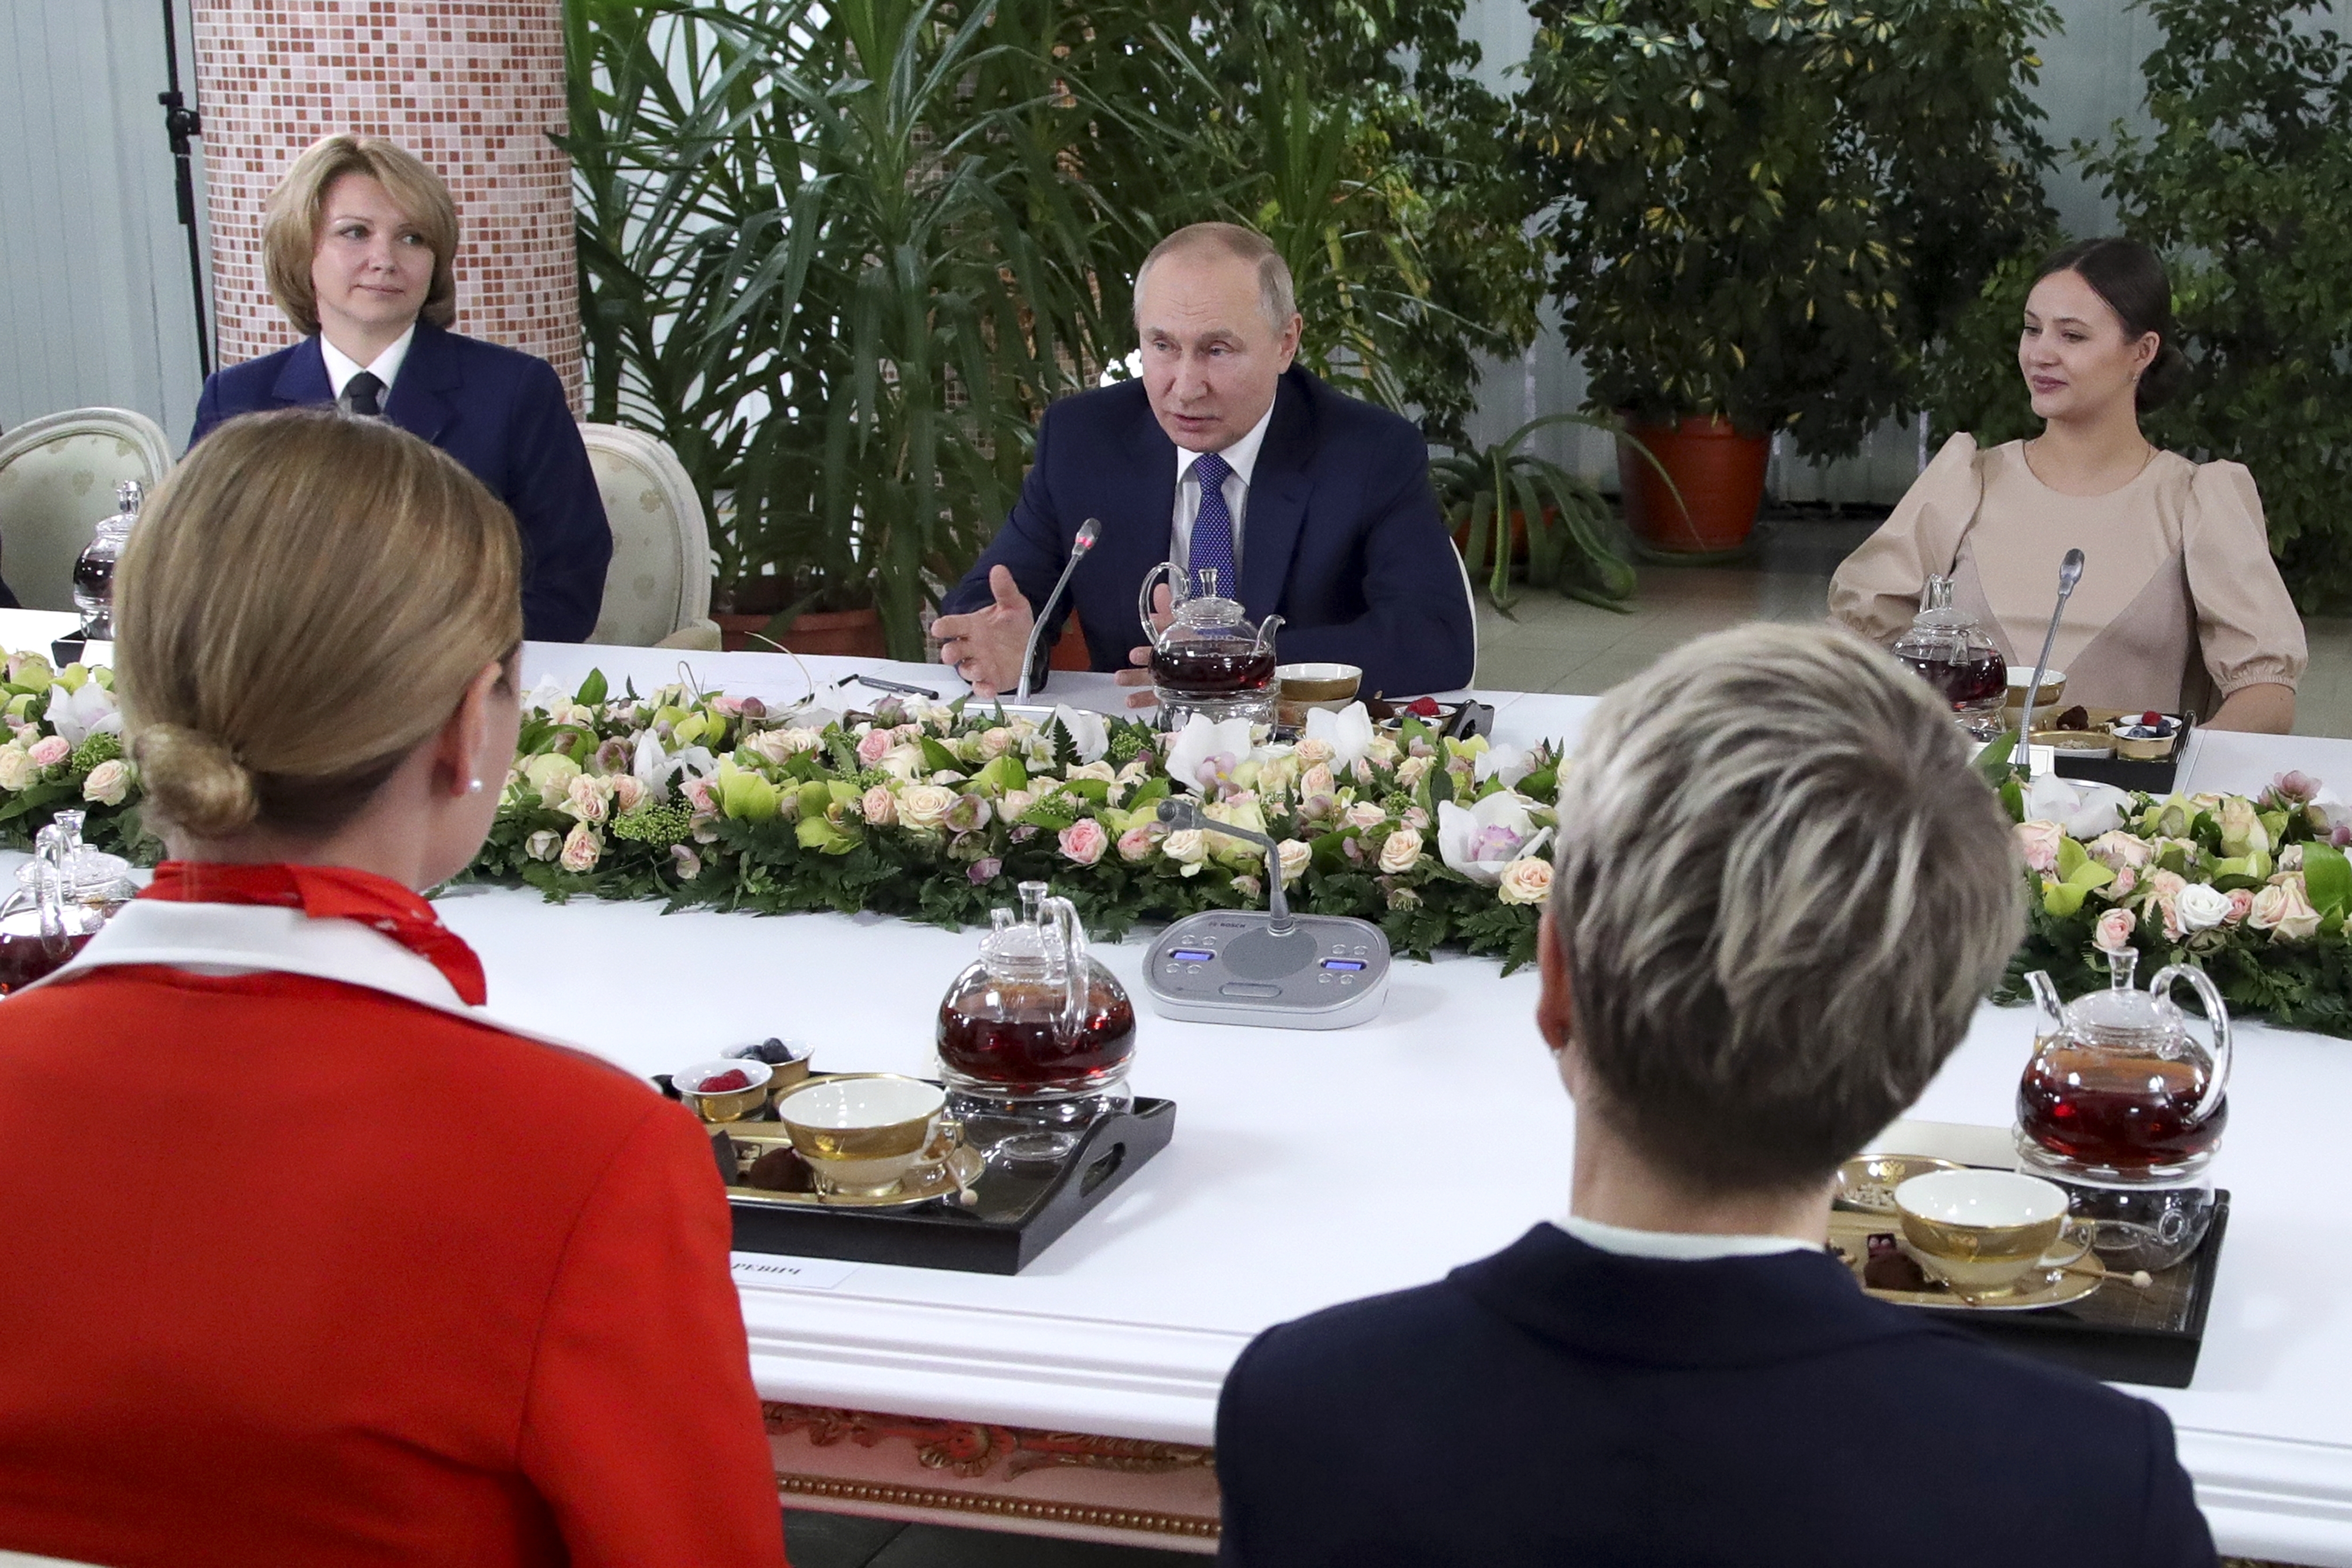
2118 1089
1209 659
93 575
63 895
1035 1037
1955 654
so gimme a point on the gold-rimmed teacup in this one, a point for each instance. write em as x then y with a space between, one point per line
1981 1231
860 1131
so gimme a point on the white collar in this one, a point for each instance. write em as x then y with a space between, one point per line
341 367
1678 1246
1241 456
244 938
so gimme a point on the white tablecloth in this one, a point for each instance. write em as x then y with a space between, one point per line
1288 1186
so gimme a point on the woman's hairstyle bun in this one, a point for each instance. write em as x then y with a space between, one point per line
306 599
194 781
2132 280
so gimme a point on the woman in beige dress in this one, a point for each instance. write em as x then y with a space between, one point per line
2181 605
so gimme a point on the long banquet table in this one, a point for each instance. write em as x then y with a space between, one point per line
1290 1185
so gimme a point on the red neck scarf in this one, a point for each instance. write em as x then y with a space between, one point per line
332 892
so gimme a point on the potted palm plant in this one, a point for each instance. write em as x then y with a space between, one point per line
1763 212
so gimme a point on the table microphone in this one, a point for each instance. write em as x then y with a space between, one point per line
1083 541
1180 812
2070 572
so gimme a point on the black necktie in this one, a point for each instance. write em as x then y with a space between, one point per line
363 394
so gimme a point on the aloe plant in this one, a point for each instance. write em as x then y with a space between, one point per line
1576 543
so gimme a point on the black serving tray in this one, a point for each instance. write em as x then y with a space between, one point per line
2151 778
1021 1209
2120 1334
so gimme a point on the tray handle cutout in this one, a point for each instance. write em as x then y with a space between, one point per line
1102 1169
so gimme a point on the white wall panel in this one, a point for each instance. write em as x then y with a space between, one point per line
96 306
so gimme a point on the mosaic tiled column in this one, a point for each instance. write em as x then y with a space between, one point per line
472 87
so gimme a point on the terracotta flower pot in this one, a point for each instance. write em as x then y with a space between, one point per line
1519 534
855 633
1070 650
1720 475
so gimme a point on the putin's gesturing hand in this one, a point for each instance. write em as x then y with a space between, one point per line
985 646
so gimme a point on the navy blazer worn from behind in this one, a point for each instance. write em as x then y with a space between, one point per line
1340 535
1560 1405
500 412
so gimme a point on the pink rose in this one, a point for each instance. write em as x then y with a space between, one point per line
628 792
50 750
2114 931
2241 900
2038 842
874 746
698 796
1084 841
2126 880
878 807
581 849
1135 844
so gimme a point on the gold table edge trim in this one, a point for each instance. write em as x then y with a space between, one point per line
1140 1520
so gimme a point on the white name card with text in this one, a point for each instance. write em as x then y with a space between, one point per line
791 1273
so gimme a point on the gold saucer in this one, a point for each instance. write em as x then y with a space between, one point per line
1850 1240
948 1167
1866 1182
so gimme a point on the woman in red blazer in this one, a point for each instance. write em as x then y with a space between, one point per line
305 1262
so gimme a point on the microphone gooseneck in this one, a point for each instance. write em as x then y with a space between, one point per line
1080 543
2070 572
1180 812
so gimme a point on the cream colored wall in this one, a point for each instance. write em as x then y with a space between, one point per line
95 302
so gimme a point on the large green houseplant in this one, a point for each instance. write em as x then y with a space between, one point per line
2240 187
842 255
1765 210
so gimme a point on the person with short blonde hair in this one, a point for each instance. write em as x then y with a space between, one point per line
374 1324
299 209
1780 894
359 246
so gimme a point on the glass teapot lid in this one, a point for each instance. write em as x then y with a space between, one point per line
1043 945
84 873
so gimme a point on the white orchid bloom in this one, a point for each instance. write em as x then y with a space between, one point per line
2085 810
1507 762
1480 839
1086 730
1348 732
654 768
79 715
546 698
1199 741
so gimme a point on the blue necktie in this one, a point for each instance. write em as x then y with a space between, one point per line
1212 546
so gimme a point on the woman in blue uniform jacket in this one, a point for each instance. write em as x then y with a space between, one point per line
357 247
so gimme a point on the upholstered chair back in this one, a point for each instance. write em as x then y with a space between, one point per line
657 590
58 479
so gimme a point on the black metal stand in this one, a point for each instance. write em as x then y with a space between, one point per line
181 122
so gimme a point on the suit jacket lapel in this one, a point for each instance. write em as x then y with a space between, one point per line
1277 507
420 402
303 379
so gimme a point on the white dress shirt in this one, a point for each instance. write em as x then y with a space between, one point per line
341 367
1679 1246
1241 457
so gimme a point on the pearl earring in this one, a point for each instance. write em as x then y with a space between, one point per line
473 787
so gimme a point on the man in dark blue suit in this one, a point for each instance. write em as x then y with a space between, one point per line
1775 908
356 248
1225 458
